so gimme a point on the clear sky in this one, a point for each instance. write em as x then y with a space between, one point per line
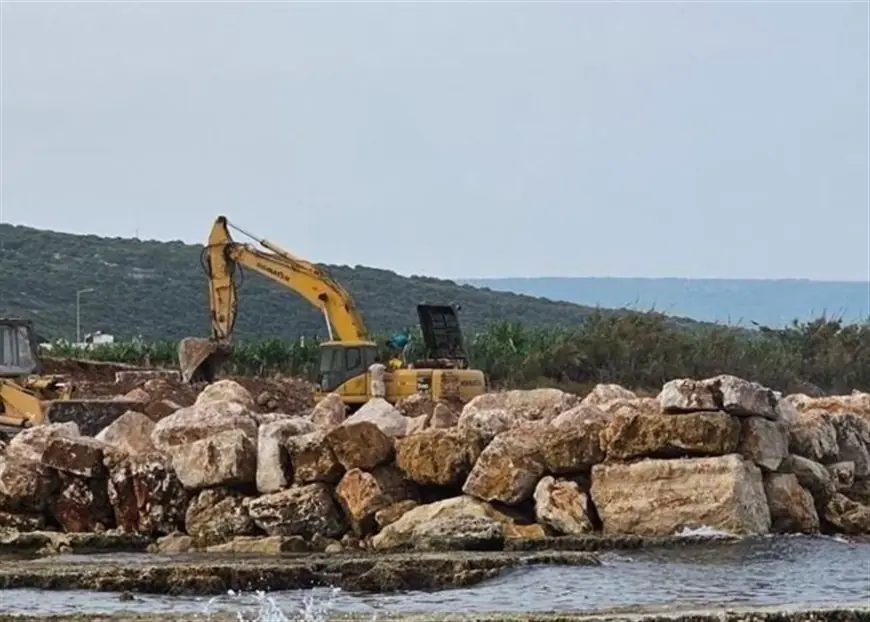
455 139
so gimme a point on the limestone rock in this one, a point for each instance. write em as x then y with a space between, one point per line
257 545
639 406
362 494
25 485
217 515
764 441
791 506
130 433
23 523
661 497
274 470
416 425
402 532
437 457
685 395
468 533
137 395
634 435
562 506
847 516
312 459
603 394
579 415
859 491
394 512
493 413
202 421
509 468
574 446
146 495
77 455
82 505
329 412
853 440
416 405
812 476
224 459
843 475
443 417
30 443
743 398
360 445
298 511
226 391
812 435
383 414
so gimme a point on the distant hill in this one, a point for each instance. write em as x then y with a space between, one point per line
772 303
158 290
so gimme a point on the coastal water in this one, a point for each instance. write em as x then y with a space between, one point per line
751 572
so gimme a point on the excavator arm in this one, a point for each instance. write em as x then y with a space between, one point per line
222 258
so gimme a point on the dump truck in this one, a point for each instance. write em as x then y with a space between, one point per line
347 357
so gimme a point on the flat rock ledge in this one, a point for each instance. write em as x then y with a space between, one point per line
189 576
856 612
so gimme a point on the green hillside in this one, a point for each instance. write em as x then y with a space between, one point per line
158 290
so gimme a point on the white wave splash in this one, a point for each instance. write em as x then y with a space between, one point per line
261 607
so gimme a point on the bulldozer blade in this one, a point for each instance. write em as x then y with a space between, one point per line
200 359
90 415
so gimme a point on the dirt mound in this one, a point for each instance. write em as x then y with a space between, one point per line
81 370
291 396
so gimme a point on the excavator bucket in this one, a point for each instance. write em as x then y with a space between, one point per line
200 359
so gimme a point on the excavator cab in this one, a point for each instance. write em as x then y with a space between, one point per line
342 360
18 348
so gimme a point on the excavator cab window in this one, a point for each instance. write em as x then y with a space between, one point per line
338 364
17 355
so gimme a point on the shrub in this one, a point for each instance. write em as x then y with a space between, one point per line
636 351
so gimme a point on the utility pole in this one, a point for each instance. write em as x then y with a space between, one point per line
79 312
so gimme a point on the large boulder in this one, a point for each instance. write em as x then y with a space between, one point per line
129 433
493 413
603 394
812 435
312 459
423 522
298 511
764 441
636 435
662 497
743 398
792 509
329 412
847 516
563 507
146 496
81 505
25 485
510 467
80 455
437 457
443 417
273 462
201 421
685 395
416 405
383 414
226 391
30 443
360 445
363 493
812 476
573 446
853 440
217 515
224 459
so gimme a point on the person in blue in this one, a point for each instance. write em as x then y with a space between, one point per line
399 343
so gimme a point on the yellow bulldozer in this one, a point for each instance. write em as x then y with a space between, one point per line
347 357
28 398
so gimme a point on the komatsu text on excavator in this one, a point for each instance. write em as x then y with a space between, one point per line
347 356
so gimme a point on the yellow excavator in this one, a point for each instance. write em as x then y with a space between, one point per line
346 358
28 398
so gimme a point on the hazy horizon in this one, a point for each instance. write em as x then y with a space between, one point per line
656 140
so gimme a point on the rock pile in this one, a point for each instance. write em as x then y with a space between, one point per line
223 473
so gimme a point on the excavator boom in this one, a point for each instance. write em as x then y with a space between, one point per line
222 257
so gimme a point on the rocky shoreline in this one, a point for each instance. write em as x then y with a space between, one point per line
506 470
